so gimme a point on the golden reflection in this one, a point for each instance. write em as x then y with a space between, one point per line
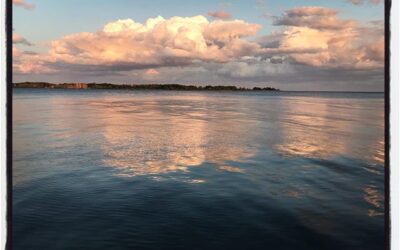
379 152
293 194
231 169
373 213
142 135
327 127
162 138
373 197
304 131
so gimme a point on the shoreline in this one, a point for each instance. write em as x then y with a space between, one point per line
173 87
167 87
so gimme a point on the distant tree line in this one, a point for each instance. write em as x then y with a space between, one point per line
47 85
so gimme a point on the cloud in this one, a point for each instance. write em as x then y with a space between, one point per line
313 17
317 37
152 72
215 50
221 14
17 39
255 69
260 2
25 62
23 4
376 1
356 2
360 2
276 71
178 41
27 52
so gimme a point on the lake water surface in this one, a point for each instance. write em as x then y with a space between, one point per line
110 169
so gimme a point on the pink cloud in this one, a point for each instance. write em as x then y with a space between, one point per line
26 63
152 72
221 14
360 2
23 4
311 36
17 39
317 37
157 42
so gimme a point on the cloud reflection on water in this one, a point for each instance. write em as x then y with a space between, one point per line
298 143
159 137
320 128
157 134
275 162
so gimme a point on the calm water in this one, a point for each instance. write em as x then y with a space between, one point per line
98 169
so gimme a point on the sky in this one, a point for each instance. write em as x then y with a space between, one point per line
291 44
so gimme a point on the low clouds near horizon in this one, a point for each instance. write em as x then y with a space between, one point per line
310 39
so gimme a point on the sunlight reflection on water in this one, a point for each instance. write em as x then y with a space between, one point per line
316 158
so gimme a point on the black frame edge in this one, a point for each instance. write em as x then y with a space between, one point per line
9 121
8 17
387 232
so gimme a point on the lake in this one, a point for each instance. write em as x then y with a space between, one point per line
111 169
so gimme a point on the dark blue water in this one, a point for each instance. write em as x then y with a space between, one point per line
98 169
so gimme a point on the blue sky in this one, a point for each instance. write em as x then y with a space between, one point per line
51 20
